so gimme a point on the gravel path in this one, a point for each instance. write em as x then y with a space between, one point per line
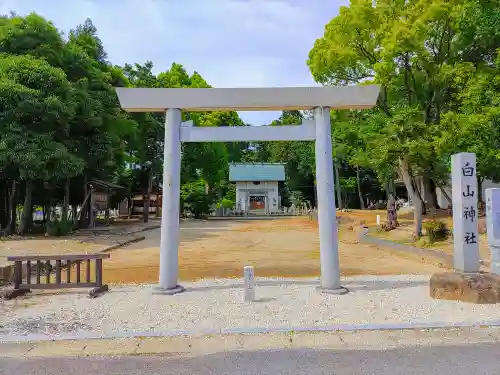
218 304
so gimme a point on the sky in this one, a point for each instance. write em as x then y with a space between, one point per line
231 43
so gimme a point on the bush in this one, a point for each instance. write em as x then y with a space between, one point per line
385 227
195 200
436 230
59 227
225 203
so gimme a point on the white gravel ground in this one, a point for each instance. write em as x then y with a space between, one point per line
218 304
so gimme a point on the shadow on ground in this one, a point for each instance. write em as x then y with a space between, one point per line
456 360
352 285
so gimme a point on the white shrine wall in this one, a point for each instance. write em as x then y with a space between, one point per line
247 188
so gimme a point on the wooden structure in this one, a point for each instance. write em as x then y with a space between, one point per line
139 200
40 265
96 200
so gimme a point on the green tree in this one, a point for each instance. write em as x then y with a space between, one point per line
196 199
99 129
415 50
146 144
36 110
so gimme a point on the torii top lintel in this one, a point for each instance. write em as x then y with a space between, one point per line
247 99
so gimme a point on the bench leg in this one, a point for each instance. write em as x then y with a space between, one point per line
96 292
13 293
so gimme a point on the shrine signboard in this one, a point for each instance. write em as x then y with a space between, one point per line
465 214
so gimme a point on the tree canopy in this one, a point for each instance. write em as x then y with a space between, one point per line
436 61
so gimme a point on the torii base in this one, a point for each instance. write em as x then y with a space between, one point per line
480 288
170 291
337 291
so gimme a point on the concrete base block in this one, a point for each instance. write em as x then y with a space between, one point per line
169 292
483 288
96 292
13 293
6 274
338 291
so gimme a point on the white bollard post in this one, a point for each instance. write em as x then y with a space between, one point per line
378 219
249 276
493 227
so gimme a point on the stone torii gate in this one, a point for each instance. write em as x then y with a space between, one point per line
319 99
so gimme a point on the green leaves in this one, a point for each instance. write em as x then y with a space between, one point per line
36 106
435 61
196 199
31 35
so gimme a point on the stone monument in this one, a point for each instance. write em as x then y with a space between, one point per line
466 283
493 227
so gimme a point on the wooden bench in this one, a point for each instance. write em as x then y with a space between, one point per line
40 265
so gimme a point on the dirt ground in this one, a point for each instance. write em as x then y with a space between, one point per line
284 247
49 246
82 242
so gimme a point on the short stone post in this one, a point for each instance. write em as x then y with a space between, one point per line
249 276
465 215
378 219
493 227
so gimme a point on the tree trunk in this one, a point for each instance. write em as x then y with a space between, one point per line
147 197
480 181
129 207
340 206
65 208
74 209
14 218
433 195
417 191
46 216
315 194
157 212
414 196
430 192
480 203
360 194
145 207
82 223
27 216
11 226
447 197
4 214
106 214
347 200
92 208
392 213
